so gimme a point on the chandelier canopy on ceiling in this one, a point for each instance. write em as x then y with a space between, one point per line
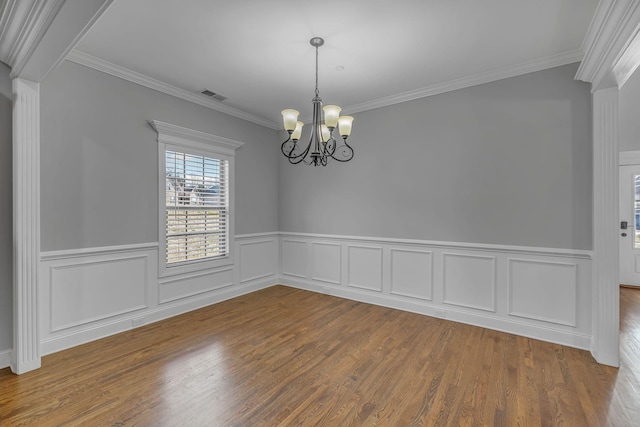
322 146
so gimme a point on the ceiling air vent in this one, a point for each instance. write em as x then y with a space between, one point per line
210 94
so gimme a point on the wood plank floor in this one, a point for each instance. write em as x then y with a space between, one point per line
286 357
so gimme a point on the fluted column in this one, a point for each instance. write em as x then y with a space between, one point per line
606 291
26 225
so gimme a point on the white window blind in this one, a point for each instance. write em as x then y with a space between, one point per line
197 207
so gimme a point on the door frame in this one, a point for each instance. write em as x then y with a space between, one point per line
626 158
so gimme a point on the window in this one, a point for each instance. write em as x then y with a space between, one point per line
196 199
197 207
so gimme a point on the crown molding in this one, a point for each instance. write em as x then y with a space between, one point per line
23 24
146 81
477 79
611 45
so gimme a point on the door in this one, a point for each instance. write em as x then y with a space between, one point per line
629 233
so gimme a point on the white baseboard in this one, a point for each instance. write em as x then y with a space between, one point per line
577 340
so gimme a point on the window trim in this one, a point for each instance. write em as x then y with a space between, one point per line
191 141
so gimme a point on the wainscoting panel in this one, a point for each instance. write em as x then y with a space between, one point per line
412 273
258 258
294 258
87 294
469 280
543 290
536 292
89 291
189 285
365 267
327 262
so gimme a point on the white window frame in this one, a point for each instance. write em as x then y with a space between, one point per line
176 138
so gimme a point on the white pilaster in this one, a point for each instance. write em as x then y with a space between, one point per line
606 294
26 225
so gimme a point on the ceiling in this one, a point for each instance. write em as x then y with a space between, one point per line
376 52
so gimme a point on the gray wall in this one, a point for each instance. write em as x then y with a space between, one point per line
629 97
100 160
507 162
6 210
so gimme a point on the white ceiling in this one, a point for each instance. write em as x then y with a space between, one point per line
257 52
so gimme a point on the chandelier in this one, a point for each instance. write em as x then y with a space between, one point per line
322 146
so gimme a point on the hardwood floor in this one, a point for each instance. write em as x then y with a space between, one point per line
285 357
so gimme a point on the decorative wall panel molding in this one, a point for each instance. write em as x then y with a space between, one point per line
543 290
116 286
469 281
402 274
412 273
90 293
259 259
327 262
364 267
189 285
489 286
294 258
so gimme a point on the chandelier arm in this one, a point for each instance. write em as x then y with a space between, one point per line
332 147
283 144
294 158
346 150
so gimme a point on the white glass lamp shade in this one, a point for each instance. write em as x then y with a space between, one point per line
289 117
344 123
331 113
325 132
297 132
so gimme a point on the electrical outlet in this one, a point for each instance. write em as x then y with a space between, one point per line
139 321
